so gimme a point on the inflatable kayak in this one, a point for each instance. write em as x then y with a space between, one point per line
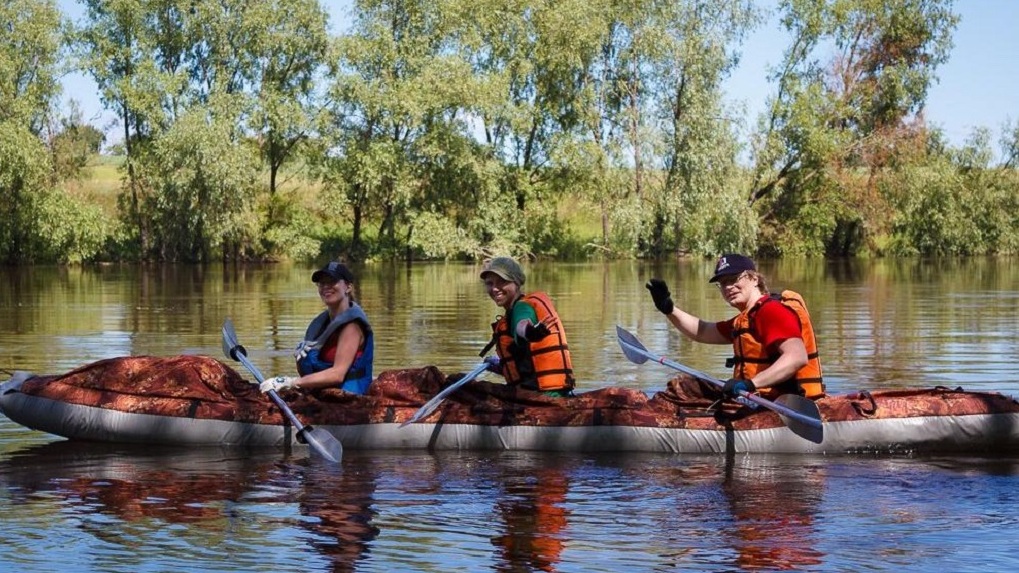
195 400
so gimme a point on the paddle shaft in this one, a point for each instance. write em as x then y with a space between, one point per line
746 398
432 404
320 441
272 393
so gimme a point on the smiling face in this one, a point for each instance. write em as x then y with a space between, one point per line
333 293
502 291
739 291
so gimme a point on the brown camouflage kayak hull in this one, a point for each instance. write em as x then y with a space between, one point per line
195 400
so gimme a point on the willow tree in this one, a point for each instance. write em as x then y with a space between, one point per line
652 144
239 69
391 103
288 52
30 41
114 48
534 60
695 204
850 92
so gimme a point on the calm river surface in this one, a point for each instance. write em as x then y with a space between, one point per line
99 507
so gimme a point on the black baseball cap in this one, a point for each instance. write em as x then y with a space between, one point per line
335 271
732 264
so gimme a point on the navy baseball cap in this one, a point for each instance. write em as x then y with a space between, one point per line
732 264
334 271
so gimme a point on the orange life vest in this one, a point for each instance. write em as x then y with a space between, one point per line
751 357
546 362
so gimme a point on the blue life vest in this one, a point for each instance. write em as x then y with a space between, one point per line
321 329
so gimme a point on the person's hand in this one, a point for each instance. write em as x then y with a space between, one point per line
733 387
278 383
494 365
661 295
536 332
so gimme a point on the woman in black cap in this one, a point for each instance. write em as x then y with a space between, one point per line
339 346
773 342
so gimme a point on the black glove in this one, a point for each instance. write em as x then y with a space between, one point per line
733 387
661 295
536 332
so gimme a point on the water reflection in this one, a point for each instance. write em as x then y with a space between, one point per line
216 500
533 515
774 508
133 483
130 509
730 512
342 505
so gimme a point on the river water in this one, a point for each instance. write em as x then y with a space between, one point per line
102 507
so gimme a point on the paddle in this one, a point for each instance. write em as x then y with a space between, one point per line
798 413
432 404
321 441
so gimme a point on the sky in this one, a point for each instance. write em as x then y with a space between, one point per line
977 87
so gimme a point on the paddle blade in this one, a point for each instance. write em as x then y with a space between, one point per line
632 348
806 408
322 443
229 338
432 404
231 347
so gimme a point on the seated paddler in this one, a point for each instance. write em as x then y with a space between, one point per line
338 347
774 348
529 338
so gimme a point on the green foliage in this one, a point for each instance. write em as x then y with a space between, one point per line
73 147
956 204
73 230
24 174
30 41
205 184
436 238
290 231
934 217
465 128
838 120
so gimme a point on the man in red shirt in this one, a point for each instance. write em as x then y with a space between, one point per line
772 338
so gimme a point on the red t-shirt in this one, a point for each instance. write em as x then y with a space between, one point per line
773 323
328 352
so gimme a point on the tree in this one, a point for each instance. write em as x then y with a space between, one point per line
833 128
203 184
288 57
73 145
114 48
30 41
393 83
698 196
